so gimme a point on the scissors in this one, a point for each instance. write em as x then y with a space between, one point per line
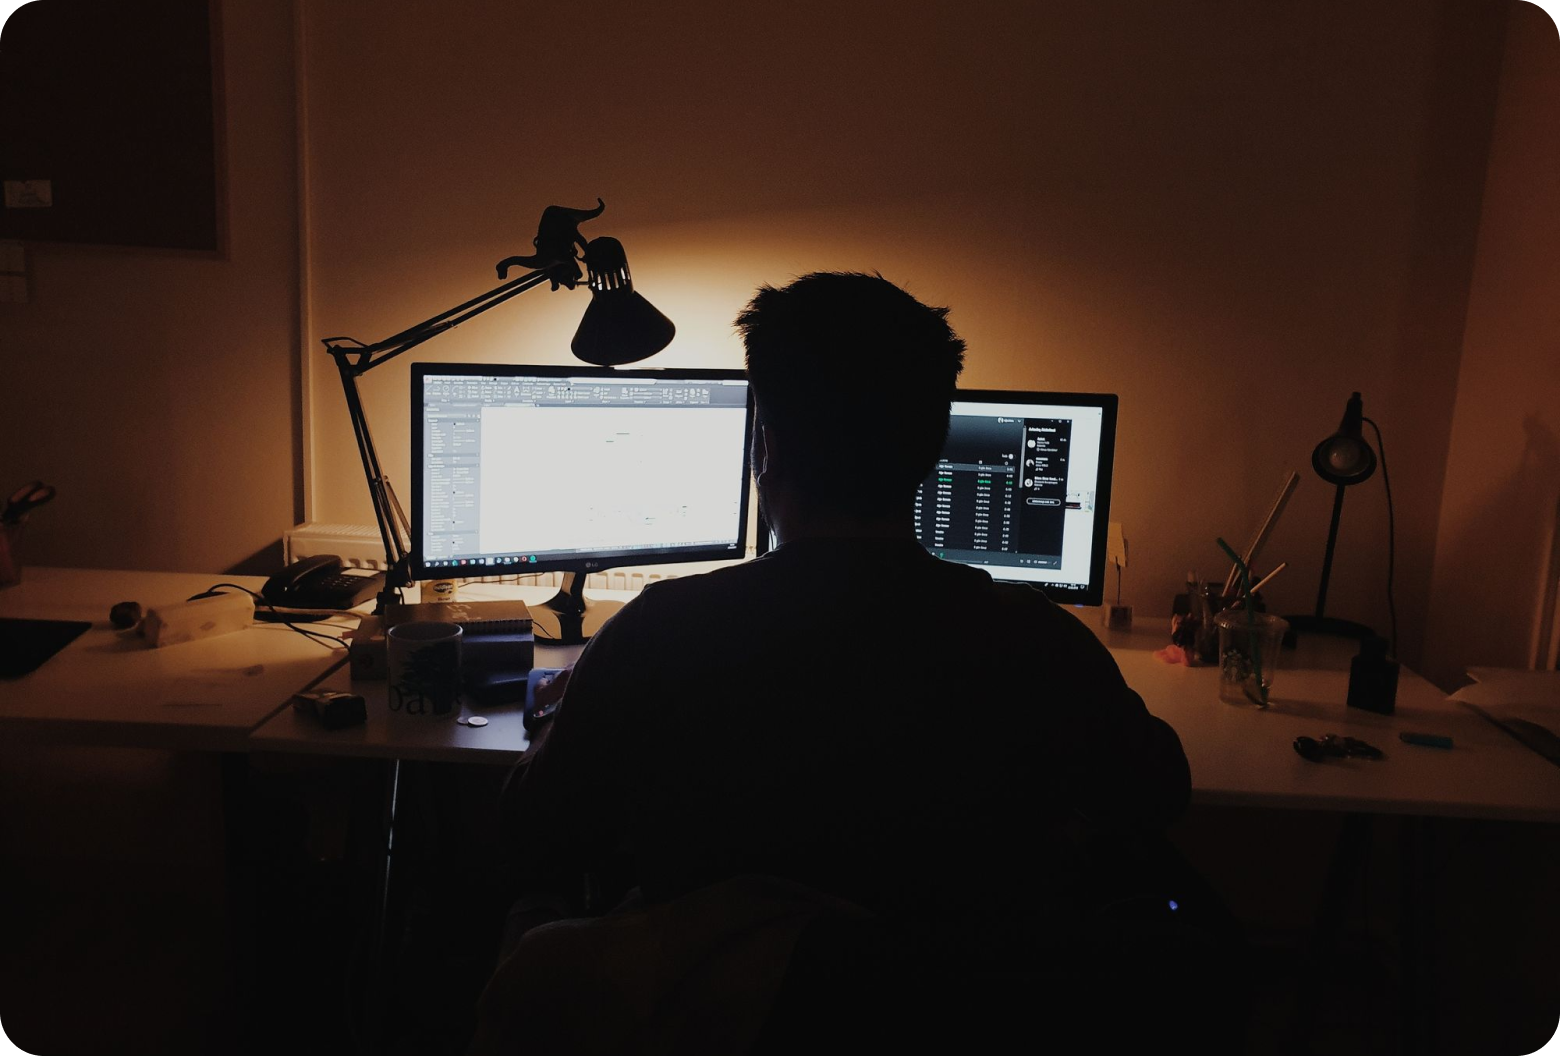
24 500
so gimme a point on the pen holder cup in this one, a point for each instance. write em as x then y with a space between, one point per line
10 558
1193 627
1248 655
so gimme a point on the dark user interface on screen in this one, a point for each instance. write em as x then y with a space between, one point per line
999 493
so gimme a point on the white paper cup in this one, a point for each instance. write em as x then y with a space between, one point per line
424 683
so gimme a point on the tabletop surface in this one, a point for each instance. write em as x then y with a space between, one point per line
1238 755
110 686
502 741
1245 755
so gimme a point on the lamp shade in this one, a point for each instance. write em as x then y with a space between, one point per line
1344 457
619 326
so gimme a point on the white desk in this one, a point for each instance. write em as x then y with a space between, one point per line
231 693
1245 756
111 687
1238 755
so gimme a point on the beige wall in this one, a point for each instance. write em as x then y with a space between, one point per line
1231 214
157 390
1503 470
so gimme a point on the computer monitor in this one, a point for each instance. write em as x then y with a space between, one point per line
1022 489
521 469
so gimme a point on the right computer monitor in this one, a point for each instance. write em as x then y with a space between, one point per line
1022 489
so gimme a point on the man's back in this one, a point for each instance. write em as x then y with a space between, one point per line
851 715
856 716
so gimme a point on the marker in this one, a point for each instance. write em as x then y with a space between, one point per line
1427 740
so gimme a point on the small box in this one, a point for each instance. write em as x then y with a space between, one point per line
1373 678
334 709
367 656
204 617
512 651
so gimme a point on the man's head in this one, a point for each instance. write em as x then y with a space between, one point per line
853 378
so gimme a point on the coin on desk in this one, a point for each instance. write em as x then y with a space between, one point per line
475 720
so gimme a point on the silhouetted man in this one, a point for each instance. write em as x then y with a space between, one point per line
942 753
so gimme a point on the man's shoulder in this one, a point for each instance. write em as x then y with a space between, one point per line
664 601
729 580
777 580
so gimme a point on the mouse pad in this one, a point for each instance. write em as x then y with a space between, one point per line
26 644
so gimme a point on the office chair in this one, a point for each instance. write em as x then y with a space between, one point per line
693 976
1117 970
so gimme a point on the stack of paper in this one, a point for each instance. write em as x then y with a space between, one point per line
1526 704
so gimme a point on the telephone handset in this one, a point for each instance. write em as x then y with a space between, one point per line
322 582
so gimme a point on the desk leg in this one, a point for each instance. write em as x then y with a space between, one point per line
1417 935
1344 873
376 1005
240 887
386 864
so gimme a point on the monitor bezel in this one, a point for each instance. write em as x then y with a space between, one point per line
1094 593
588 562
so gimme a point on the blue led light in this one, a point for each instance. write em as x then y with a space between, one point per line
1174 905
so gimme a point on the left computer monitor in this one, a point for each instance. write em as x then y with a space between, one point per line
520 469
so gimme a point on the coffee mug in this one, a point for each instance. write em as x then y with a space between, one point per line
424 682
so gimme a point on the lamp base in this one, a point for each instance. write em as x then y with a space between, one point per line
1324 625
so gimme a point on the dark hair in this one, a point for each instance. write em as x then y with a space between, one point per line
854 376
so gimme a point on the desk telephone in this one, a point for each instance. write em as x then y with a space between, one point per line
322 582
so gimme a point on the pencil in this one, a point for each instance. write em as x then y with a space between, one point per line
1274 512
1268 578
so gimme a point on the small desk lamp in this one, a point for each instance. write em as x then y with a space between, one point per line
619 326
1343 459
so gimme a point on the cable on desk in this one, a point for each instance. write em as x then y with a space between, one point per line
1386 479
330 640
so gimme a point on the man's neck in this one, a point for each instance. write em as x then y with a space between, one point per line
826 524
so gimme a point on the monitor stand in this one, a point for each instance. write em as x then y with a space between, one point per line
567 618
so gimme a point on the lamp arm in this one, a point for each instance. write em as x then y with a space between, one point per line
354 359
397 562
363 358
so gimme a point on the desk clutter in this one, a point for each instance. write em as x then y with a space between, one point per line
1227 624
429 654
186 621
1332 746
189 621
333 709
233 694
497 637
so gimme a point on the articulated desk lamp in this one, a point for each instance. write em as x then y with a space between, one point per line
619 326
1343 459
